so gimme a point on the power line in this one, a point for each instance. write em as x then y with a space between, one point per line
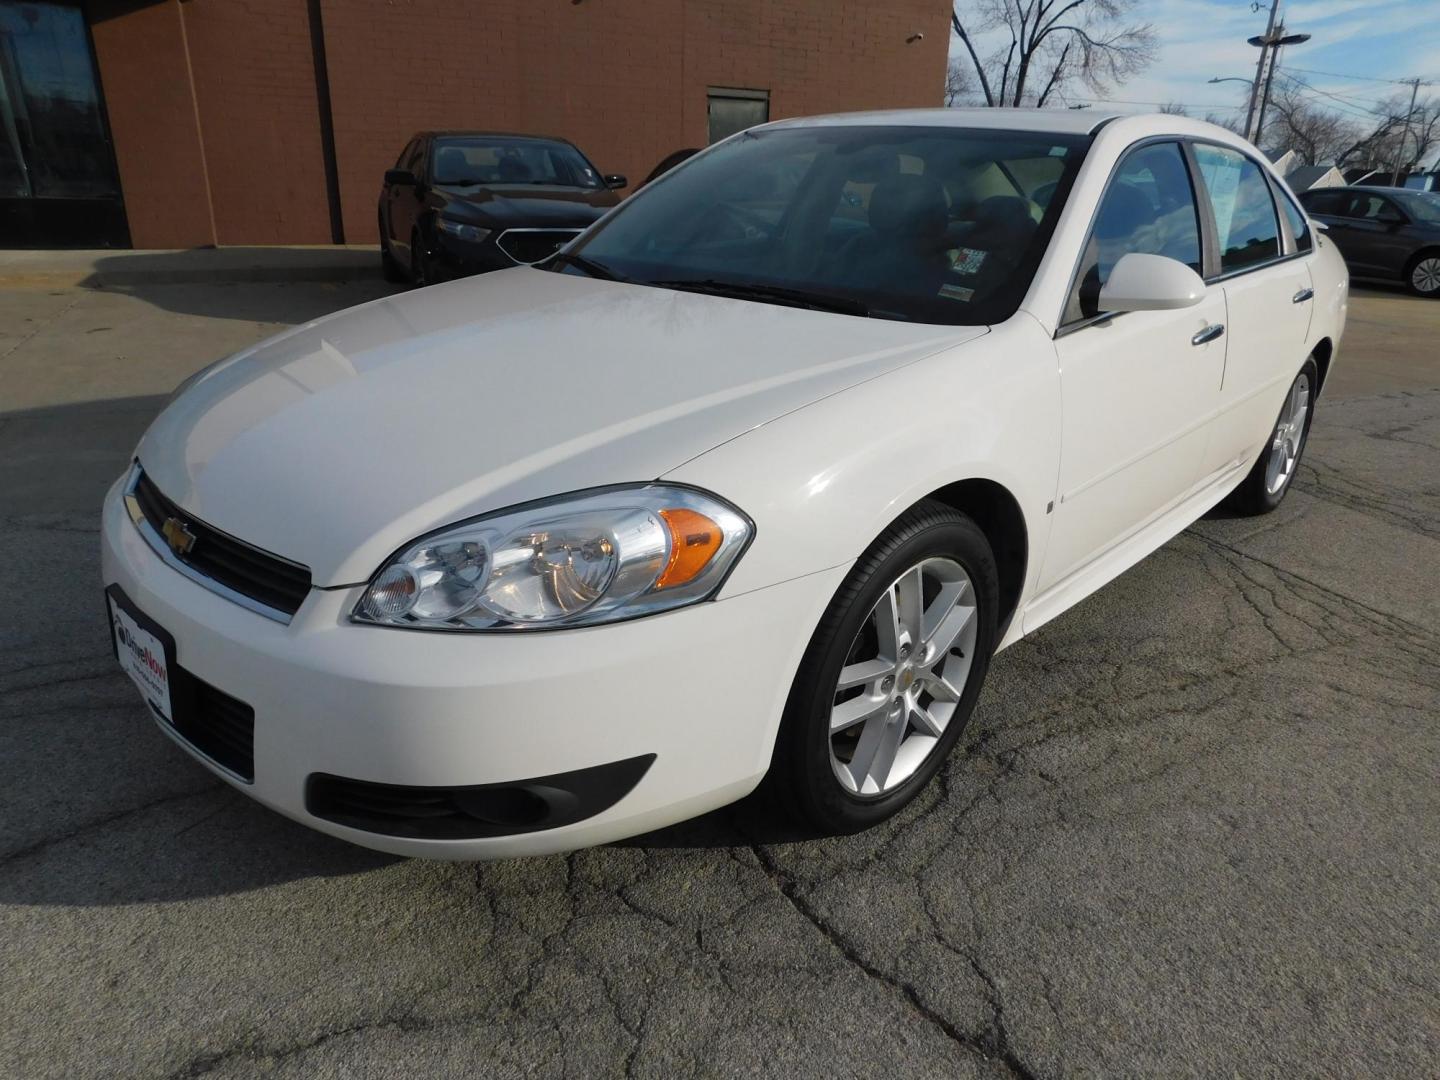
1360 78
1343 105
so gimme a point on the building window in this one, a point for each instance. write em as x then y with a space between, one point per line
735 110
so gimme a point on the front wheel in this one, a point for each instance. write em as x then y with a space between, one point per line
1270 478
891 675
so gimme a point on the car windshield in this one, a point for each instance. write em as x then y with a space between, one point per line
481 159
1422 205
927 224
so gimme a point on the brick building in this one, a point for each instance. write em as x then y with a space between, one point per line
271 121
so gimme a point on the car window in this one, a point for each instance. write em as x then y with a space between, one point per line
473 159
1421 205
1299 225
418 162
940 225
1244 212
414 153
1325 202
1148 208
1372 208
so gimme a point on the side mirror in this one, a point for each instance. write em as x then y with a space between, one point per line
1391 217
615 181
1150 283
399 178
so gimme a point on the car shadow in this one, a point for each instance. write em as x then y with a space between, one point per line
257 284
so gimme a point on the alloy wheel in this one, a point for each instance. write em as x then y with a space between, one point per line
903 677
1289 435
1426 275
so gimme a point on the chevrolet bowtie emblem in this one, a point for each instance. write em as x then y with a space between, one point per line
178 535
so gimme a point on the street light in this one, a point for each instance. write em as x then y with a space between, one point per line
1272 40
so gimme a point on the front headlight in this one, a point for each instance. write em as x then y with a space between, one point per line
575 561
472 233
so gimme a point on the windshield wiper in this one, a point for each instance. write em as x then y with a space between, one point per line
589 266
771 294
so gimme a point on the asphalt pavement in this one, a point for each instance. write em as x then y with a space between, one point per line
1193 829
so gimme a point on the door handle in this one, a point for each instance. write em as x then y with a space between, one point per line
1210 333
1303 295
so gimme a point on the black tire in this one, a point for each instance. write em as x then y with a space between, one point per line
801 778
390 267
1423 288
1253 497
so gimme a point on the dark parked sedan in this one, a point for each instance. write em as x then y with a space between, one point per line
1389 233
463 202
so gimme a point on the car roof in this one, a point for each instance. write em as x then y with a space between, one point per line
1123 126
469 133
1059 121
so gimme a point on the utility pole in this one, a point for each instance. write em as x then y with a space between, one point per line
1273 42
1260 66
1405 137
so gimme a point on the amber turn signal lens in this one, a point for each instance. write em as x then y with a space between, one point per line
694 539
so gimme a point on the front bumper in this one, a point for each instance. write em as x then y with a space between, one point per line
701 688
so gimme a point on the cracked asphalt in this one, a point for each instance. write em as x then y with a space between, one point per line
1193 829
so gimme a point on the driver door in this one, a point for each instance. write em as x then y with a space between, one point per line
1137 389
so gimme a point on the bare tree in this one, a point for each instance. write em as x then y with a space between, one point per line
1053 46
957 81
1174 108
1230 122
1317 135
1389 140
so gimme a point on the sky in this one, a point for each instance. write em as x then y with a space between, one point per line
1353 42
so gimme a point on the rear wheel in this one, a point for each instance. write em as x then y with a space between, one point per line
1270 478
891 675
1423 276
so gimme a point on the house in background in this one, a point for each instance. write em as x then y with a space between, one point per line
1283 163
1305 177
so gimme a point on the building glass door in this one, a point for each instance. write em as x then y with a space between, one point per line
58 183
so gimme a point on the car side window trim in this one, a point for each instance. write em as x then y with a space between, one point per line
1062 327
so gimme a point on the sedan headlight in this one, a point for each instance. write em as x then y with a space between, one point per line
576 561
473 234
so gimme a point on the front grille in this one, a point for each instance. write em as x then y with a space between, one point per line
219 726
266 579
533 245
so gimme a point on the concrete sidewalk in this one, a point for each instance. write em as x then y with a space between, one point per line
225 265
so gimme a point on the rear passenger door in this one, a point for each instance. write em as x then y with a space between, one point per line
1264 270
1138 389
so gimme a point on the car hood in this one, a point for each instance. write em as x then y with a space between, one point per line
533 205
341 440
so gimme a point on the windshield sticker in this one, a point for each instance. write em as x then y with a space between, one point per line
966 261
956 292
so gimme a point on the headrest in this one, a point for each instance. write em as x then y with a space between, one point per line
908 205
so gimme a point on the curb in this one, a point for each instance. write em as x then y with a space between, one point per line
191 269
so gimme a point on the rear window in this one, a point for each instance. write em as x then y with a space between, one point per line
1324 202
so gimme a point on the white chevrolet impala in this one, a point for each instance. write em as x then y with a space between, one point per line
749 483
